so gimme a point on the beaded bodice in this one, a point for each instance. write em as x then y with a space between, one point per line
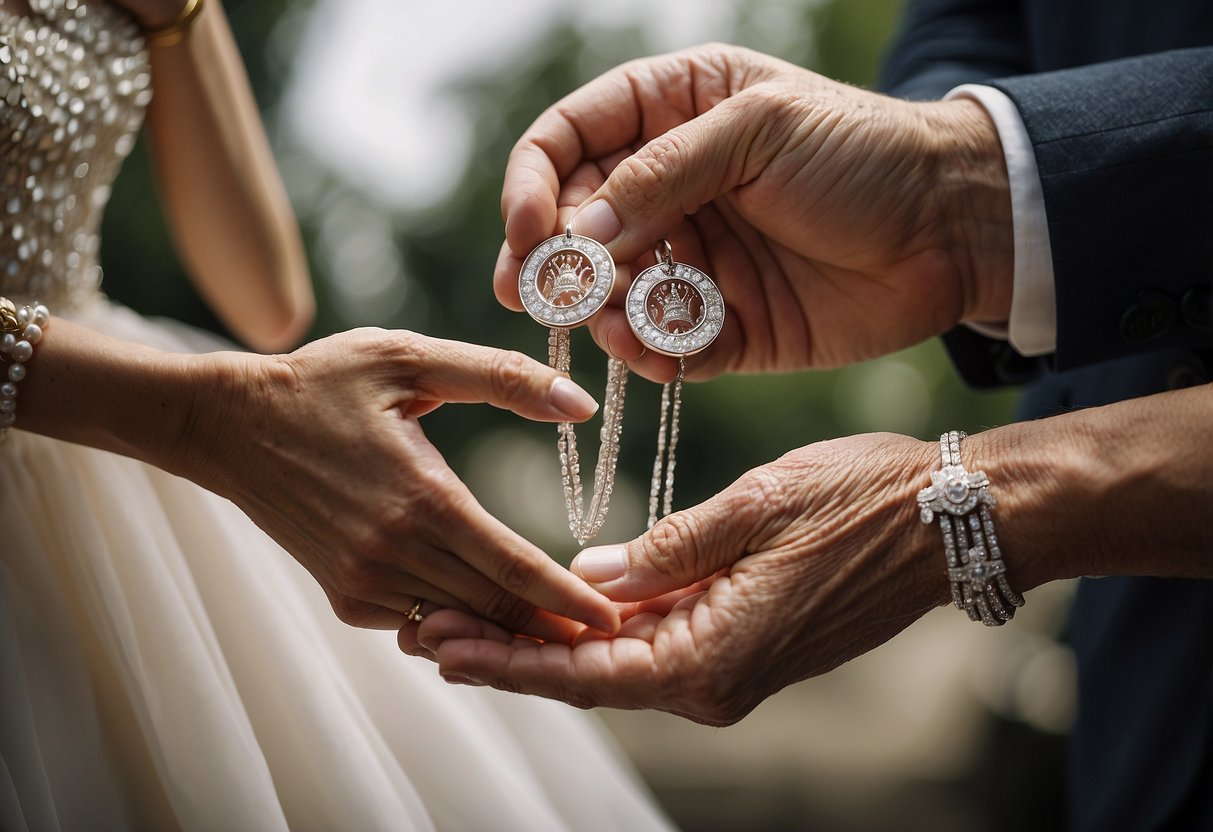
74 83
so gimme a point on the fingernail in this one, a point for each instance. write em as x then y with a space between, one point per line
461 679
430 643
601 563
597 221
606 626
571 400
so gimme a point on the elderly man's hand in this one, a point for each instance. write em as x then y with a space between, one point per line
794 569
840 224
820 556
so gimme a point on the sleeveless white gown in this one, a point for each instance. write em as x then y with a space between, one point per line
163 664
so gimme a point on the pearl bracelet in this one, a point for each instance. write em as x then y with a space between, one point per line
976 570
21 328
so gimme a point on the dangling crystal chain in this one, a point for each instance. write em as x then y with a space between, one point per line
666 449
585 523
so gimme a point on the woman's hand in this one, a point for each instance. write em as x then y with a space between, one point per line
840 224
322 448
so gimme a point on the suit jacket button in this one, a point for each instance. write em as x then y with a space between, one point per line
1187 373
1012 368
1197 307
1152 316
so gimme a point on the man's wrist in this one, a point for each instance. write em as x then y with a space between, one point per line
1035 475
1032 326
970 178
1116 490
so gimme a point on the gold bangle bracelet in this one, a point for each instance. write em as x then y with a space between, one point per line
176 30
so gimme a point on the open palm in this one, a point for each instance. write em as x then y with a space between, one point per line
797 567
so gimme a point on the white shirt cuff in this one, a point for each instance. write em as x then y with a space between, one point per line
1032 328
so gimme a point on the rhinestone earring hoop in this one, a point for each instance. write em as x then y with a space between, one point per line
674 309
564 282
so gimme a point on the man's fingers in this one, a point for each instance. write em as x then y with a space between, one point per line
614 673
598 119
505 279
532 183
682 549
673 175
643 626
613 334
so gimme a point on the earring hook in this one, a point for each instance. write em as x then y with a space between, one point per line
665 255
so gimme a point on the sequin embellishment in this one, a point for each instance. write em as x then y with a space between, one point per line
74 84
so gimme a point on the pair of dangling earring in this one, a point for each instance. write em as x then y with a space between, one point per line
673 309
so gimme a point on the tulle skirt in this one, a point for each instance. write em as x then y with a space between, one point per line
164 665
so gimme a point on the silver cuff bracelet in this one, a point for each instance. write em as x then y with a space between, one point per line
976 570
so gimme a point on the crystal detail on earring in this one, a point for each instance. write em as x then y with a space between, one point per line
674 309
564 281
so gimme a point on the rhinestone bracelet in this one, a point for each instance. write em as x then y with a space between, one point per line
976 570
21 329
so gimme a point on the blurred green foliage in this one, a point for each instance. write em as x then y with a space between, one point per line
446 255
850 38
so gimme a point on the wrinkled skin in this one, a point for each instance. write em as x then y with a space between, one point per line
797 567
323 449
839 224
820 556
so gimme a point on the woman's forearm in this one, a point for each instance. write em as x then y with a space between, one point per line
1125 489
321 448
224 199
91 389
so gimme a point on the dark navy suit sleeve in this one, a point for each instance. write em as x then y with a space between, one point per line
941 44
1125 152
1124 146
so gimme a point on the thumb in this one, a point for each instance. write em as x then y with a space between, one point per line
454 371
674 175
681 549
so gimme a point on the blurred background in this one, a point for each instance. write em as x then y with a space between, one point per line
392 121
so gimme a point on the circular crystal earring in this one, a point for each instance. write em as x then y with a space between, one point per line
676 310
564 281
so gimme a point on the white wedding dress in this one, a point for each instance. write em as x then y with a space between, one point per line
163 664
